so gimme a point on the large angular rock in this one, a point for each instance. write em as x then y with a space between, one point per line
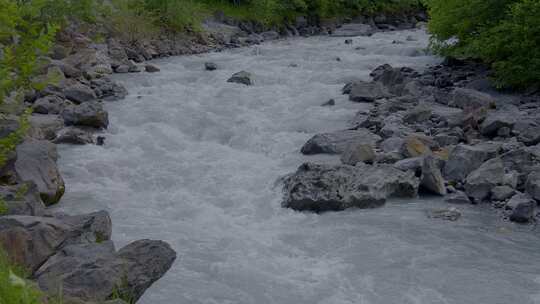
463 160
322 188
36 163
337 142
79 93
470 99
367 91
522 208
532 186
356 153
481 181
89 114
50 104
502 193
45 126
503 118
31 240
95 272
432 179
242 77
22 199
419 114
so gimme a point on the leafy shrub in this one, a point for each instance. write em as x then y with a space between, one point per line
503 33
13 288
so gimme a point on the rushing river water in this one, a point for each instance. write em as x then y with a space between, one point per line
193 160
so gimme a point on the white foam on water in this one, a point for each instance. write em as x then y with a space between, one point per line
193 160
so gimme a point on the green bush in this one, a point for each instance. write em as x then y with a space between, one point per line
13 288
502 33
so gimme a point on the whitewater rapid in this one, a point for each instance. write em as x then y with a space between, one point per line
194 160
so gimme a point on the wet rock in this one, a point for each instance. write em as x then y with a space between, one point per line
458 197
502 193
45 126
36 163
348 41
90 114
353 30
150 68
329 103
96 272
413 164
479 183
79 93
108 89
468 98
242 77
50 104
336 142
532 186
451 214
74 136
393 79
210 66
463 160
322 188
522 208
367 91
418 114
358 152
530 135
31 240
68 70
432 179
22 199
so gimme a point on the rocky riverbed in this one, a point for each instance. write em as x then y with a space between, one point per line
370 122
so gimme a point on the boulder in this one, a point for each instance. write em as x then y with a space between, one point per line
418 114
210 66
242 77
532 186
45 126
49 104
395 80
392 144
95 272
431 179
496 120
89 114
481 181
413 164
502 193
22 199
31 240
451 214
36 163
150 68
470 99
353 30
74 136
458 197
358 152
522 208
463 160
337 142
320 188
417 145
367 91
79 93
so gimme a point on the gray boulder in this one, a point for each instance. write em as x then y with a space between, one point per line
367 91
242 77
95 272
31 240
150 68
22 199
431 179
74 136
479 183
458 197
496 120
502 193
210 66
522 208
358 152
50 104
322 188
337 142
532 186
418 114
470 99
45 126
36 163
79 93
89 114
463 160
413 164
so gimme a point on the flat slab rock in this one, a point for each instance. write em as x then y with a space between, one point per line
319 188
337 142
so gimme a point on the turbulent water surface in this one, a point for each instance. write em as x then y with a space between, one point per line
194 160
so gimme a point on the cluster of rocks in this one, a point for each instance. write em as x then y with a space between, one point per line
443 131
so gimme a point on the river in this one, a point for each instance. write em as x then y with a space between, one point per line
194 160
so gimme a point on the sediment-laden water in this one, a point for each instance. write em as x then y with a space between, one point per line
194 160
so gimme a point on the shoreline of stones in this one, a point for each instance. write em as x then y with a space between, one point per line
445 131
72 256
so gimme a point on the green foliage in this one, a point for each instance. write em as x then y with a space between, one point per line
3 207
14 289
503 33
